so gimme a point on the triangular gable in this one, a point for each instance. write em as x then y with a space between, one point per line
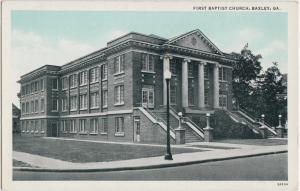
196 40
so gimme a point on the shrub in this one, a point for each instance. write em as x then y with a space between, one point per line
225 127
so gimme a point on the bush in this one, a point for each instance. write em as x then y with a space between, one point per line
225 127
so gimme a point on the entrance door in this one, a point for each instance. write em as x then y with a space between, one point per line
54 130
148 97
136 129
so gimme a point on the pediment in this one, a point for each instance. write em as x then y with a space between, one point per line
195 40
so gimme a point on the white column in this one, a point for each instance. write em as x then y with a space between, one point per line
166 66
184 80
216 86
201 103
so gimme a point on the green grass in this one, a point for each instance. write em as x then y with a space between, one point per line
75 151
259 142
17 163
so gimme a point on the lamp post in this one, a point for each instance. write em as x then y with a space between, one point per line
167 76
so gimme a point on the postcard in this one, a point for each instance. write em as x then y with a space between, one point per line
129 95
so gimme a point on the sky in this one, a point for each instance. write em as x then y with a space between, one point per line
57 37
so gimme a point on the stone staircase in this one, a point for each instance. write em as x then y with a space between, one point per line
193 132
241 116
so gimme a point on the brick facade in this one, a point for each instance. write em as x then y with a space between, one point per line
134 78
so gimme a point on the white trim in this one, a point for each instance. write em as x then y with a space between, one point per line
40 117
161 124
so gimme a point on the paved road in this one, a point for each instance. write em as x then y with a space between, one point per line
267 167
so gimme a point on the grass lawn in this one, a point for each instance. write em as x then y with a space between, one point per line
262 142
75 151
17 163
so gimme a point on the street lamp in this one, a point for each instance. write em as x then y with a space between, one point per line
167 76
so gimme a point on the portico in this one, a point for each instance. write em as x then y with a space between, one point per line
200 93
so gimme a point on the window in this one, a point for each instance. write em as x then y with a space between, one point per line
63 126
32 126
23 126
206 90
104 72
54 84
73 126
82 101
119 64
64 104
119 124
94 75
23 90
31 106
94 125
104 125
94 100
173 68
148 62
42 126
36 126
148 97
73 81
190 70
83 78
64 83
82 123
119 94
223 101
42 105
191 95
23 108
36 106
222 74
54 104
27 126
104 93
206 69
27 107
42 84
73 102
35 86
173 91
31 87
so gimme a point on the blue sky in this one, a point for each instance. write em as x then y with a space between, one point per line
57 37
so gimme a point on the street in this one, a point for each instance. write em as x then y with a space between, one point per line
267 167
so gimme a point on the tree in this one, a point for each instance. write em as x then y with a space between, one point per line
245 73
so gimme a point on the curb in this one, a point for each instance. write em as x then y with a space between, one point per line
30 169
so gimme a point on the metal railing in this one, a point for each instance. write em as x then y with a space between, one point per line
193 123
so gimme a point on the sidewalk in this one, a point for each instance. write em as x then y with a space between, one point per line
48 164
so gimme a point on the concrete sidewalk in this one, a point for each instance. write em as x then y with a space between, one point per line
48 164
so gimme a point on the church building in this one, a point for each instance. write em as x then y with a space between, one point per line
119 93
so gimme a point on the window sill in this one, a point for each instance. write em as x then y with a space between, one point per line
94 82
64 89
32 131
83 109
103 80
94 133
36 132
119 104
73 132
104 107
27 131
95 107
64 132
54 89
42 131
150 72
119 73
23 131
73 110
54 111
83 133
103 133
120 134
82 85
73 87
64 110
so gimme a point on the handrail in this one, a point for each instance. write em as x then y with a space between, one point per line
158 118
248 114
193 123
